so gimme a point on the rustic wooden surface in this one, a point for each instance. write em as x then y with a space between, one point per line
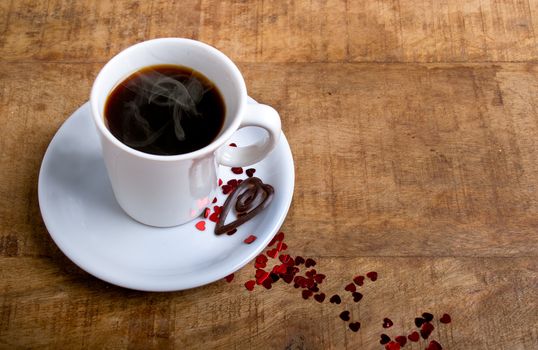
414 128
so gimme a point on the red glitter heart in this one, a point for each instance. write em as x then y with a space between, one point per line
387 323
237 170
356 296
229 278
310 273
280 246
214 217
350 287
282 269
207 211
427 316
259 273
250 239
355 326
278 237
319 278
309 262
287 278
250 172
261 258
307 294
215 199
419 321
263 276
445 318
272 253
335 299
414 337
226 189
267 283
232 144
359 280
372 276
217 209
250 285
392 346
284 258
220 184
344 315
320 297
426 329
402 340
384 339
290 262
299 260
434 346
200 225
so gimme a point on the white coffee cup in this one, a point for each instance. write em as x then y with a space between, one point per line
171 190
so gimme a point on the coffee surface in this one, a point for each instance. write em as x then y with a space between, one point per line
165 110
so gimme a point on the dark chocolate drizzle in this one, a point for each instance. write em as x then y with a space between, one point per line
250 197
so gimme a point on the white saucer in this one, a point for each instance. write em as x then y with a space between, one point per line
83 218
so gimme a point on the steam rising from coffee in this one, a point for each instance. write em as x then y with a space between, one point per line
181 94
165 110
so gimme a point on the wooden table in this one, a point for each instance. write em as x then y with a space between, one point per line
414 128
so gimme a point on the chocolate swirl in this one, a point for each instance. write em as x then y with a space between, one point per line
250 197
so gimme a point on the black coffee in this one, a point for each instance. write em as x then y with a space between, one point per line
165 110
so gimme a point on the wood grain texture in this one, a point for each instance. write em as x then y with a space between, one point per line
413 127
277 31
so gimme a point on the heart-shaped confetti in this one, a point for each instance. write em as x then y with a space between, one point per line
250 172
359 280
237 170
264 275
310 273
434 346
426 329
200 225
229 278
319 278
384 339
320 297
402 340
419 321
335 299
272 253
445 318
344 315
250 239
350 287
309 262
387 323
414 337
250 285
355 326
307 294
299 260
392 346
427 316
214 217
372 276
356 296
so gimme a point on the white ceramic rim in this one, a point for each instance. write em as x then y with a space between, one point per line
212 147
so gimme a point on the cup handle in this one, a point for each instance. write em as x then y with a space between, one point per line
259 115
